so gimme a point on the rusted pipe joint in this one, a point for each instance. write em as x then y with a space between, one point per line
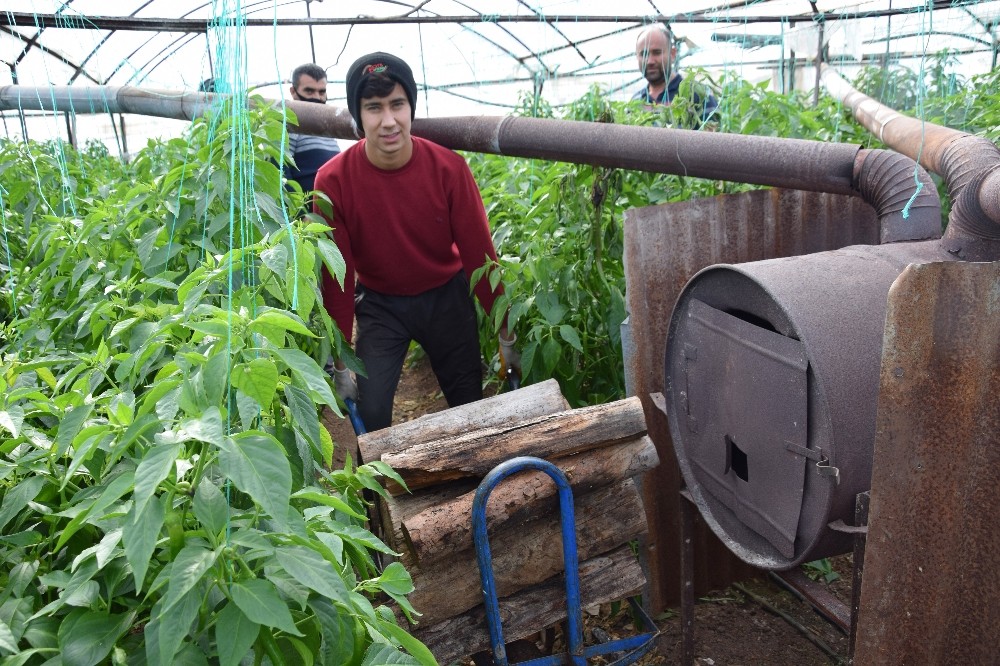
901 192
973 234
989 198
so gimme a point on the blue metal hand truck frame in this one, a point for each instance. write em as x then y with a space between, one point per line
355 416
635 646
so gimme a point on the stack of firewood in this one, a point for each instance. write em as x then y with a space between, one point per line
443 456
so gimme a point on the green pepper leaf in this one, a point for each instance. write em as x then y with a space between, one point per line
260 602
86 637
258 379
312 570
258 466
235 634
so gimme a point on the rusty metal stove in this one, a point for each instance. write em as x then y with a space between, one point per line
771 392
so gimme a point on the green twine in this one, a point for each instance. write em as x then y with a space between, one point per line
230 40
921 111
6 244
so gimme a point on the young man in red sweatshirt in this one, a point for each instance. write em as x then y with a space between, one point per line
410 222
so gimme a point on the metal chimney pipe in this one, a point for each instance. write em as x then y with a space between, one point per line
179 105
883 179
969 165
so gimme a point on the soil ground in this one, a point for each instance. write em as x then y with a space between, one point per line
756 622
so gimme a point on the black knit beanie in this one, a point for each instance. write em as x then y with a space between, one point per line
378 63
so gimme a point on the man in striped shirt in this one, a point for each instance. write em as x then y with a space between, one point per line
309 152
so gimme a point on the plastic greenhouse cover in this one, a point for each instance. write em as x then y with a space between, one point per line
468 57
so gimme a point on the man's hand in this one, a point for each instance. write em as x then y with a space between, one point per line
510 358
345 384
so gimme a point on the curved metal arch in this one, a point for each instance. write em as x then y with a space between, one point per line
34 40
555 28
988 28
166 52
594 38
54 54
79 69
928 33
491 42
172 47
128 58
101 43
632 25
189 25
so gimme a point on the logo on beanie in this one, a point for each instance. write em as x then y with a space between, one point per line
377 68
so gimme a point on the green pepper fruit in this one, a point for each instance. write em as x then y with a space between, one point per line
175 531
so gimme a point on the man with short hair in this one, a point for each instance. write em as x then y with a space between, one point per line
656 52
409 220
309 152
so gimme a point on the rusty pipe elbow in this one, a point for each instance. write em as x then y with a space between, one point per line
902 194
989 198
973 232
972 171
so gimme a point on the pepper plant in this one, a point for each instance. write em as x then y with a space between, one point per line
166 489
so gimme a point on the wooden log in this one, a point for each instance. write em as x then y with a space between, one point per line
512 407
527 554
608 577
393 511
550 436
444 528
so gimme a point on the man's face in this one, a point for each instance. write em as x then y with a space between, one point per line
654 54
310 90
386 123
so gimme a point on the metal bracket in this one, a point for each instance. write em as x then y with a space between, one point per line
823 467
805 452
840 526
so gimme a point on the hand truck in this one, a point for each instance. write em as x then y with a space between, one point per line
634 647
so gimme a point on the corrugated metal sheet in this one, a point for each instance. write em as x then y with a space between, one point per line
930 592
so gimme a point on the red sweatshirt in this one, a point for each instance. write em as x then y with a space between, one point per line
405 231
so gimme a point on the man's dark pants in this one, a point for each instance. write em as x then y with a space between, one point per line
441 320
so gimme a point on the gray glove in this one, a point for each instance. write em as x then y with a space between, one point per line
345 384
510 358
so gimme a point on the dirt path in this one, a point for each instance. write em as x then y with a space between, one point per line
737 626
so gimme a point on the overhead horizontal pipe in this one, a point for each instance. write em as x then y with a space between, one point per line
108 99
795 163
882 179
179 105
815 166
